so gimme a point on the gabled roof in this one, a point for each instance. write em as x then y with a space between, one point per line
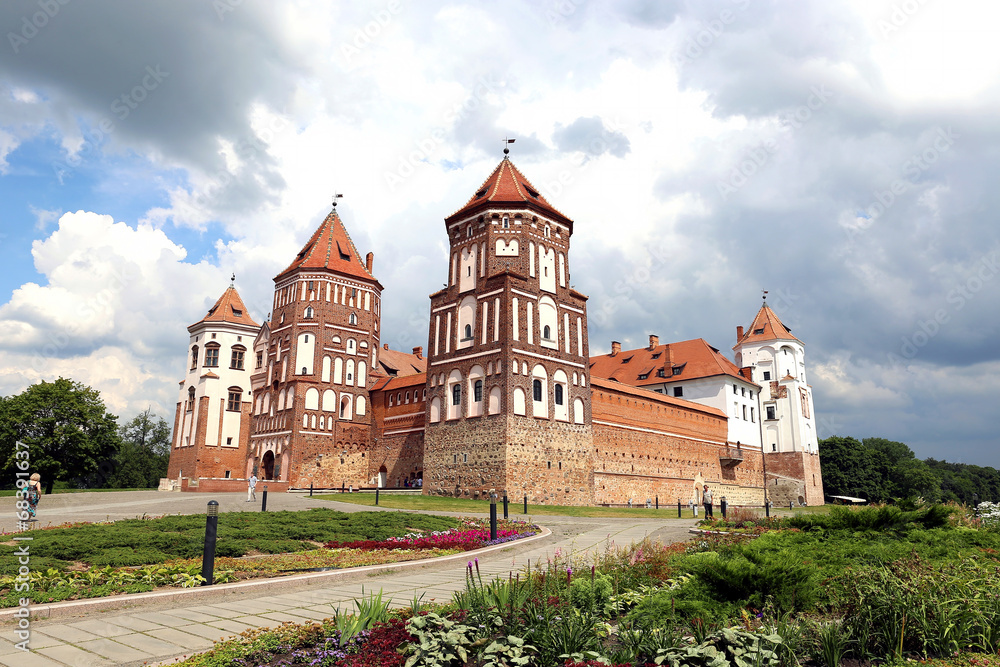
766 326
330 247
693 358
393 383
394 363
507 185
229 308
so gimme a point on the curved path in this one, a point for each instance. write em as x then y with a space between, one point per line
161 628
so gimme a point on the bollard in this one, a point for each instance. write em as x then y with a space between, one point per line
310 489
263 500
657 502
767 509
526 503
342 486
376 495
211 532
722 505
505 504
493 516
678 508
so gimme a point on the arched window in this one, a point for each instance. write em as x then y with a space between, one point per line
354 318
456 394
349 372
190 403
468 332
435 410
559 394
194 357
236 362
547 332
309 313
536 390
506 222
345 407
212 355
548 231
477 391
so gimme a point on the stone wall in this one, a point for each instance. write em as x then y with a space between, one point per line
551 461
794 476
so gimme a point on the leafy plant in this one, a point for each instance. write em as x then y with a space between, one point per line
509 651
833 642
440 641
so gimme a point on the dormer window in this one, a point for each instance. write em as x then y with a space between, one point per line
643 376
676 370
237 312
661 373
759 331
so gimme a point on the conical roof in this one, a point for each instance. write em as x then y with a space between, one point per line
330 247
229 308
507 185
766 326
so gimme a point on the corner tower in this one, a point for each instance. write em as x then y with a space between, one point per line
212 421
776 361
508 394
312 421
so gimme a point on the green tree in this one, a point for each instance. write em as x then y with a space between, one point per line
145 451
913 478
66 427
894 451
851 469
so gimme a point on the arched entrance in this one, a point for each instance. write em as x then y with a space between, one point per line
382 475
267 466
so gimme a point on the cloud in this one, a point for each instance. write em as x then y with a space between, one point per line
589 136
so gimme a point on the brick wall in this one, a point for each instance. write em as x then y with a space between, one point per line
794 476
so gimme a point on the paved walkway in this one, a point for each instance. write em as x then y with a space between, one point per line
160 629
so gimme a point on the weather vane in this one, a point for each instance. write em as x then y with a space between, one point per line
232 280
507 141
335 198
765 294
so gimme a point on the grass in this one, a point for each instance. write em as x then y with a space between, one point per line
468 506
11 492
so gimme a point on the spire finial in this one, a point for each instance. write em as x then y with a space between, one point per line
232 280
336 196
764 295
506 141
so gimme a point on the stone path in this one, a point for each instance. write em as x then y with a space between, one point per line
161 629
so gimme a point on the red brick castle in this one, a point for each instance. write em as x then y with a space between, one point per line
508 397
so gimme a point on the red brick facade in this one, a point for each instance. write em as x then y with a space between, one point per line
795 477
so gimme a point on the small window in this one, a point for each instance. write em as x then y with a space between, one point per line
235 400
559 394
212 356
468 332
643 376
770 412
676 371
353 318
194 357
237 361
661 373
260 359
547 332
548 231
354 292
465 458
744 413
229 441
309 312
468 231
657 355
736 389
678 391
759 331
477 389
536 390
456 395
753 417
743 391
506 222
767 375
774 447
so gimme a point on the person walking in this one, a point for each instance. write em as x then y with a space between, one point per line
706 497
34 494
252 488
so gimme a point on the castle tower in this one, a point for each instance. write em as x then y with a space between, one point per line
776 360
507 375
312 421
212 421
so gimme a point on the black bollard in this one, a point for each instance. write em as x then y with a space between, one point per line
767 509
342 487
722 504
657 502
526 503
493 516
211 532
376 495
678 508
505 505
263 500
310 489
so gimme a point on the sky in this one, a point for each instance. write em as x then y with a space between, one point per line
842 155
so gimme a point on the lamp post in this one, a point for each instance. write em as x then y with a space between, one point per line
493 515
211 531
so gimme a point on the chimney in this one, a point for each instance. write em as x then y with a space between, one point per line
616 347
385 346
654 341
739 334
369 261
418 352
669 361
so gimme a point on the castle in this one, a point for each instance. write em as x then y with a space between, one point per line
507 397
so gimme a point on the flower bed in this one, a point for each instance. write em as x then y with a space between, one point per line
472 534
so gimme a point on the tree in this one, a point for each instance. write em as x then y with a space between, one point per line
65 426
145 451
895 452
851 469
913 478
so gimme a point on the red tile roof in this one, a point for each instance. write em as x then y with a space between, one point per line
646 394
394 363
330 247
695 359
766 326
401 382
229 308
507 185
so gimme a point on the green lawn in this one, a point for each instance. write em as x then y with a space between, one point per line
515 509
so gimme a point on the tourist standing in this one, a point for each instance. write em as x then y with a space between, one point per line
34 494
706 498
252 488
